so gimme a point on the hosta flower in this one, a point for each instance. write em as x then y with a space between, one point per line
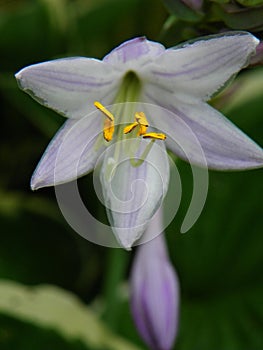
154 291
122 108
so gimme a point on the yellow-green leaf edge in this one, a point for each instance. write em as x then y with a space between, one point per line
53 308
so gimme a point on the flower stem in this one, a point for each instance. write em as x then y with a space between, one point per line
117 266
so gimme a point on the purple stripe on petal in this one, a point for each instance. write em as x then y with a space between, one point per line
71 153
198 130
194 71
200 69
137 51
69 82
70 86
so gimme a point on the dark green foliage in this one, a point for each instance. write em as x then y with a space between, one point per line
219 261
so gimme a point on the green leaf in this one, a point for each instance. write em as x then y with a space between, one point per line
28 35
250 2
42 118
183 12
247 88
243 103
52 308
220 268
221 1
226 324
31 337
240 18
36 246
220 261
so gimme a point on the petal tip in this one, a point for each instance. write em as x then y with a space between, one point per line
18 77
35 185
255 40
125 243
38 182
126 237
20 73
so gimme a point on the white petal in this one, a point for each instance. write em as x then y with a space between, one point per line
134 53
200 69
70 86
200 134
133 193
71 153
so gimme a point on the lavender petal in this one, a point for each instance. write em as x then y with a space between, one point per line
134 53
71 153
201 135
198 70
155 291
70 86
133 193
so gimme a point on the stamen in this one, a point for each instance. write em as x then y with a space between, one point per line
104 110
142 130
108 128
140 117
154 135
130 127
142 122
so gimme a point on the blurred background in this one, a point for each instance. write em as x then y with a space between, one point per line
59 291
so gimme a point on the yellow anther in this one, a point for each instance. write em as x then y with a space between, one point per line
154 135
142 122
104 110
140 117
142 130
108 128
130 127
